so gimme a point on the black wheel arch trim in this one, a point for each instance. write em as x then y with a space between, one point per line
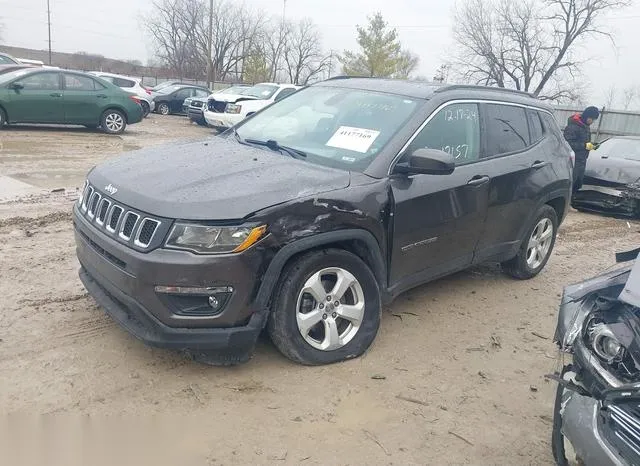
277 264
545 199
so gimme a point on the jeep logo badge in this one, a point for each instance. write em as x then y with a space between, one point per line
111 189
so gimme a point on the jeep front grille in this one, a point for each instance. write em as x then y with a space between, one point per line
120 222
622 429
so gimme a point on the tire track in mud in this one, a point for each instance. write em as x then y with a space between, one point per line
35 222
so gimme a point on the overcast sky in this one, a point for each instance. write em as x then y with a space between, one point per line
113 29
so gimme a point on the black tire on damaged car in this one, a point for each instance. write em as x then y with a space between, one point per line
519 267
145 108
3 118
283 327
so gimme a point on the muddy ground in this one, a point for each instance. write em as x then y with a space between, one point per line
456 375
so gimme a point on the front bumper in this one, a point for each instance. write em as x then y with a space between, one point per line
622 200
196 114
122 281
581 425
222 120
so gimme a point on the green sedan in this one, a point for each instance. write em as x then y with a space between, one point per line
52 96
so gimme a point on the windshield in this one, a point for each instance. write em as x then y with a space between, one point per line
6 60
621 149
261 91
234 90
341 128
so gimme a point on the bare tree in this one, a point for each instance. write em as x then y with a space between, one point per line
610 97
528 45
630 97
303 58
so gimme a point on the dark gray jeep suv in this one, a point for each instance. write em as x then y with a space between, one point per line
308 216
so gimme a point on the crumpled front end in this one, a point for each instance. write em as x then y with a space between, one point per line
597 409
622 200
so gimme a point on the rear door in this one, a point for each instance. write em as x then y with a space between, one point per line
84 98
519 170
39 101
439 218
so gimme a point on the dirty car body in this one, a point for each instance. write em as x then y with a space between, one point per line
612 179
198 246
597 408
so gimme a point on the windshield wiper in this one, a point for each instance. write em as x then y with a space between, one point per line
273 145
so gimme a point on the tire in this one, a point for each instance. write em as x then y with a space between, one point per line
113 122
201 123
557 437
362 299
163 109
3 118
145 108
521 267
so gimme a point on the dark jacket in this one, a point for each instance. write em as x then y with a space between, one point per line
578 134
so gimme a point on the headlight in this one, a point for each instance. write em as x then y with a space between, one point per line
605 343
233 108
205 239
81 196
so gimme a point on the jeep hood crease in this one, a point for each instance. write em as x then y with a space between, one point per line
213 180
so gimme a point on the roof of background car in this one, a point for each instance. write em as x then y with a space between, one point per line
426 90
113 75
10 57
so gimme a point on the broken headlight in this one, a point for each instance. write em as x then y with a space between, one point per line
613 338
208 239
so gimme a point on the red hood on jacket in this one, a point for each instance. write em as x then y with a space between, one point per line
577 118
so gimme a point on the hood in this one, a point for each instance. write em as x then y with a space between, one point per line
612 170
575 119
216 179
231 97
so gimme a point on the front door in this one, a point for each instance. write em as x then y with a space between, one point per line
438 219
177 99
84 99
39 100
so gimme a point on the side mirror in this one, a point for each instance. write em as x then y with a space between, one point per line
428 162
16 86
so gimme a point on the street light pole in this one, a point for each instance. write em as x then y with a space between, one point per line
210 46
49 26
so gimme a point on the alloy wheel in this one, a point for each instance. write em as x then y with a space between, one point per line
114 122
330 309
539 243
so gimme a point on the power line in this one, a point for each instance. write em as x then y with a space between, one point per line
49 28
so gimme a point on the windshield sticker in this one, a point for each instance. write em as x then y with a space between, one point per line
349 159
355 139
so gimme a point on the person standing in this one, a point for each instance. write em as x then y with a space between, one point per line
578 135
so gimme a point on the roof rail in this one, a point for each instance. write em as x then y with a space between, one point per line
344 76
456 87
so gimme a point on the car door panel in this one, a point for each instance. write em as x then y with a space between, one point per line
84 99
518 179
438 218
39 101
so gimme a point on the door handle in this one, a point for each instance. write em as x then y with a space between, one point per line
478 180
101 96
539 164
55 94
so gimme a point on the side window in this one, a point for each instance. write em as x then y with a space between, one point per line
535 126
182 94
123 82
454 129
507 129
75 82
41 82
108 78
201 93
284 93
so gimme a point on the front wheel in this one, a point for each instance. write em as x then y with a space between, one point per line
327 308
113 122
163 109
536 247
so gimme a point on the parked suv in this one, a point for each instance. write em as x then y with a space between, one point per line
309 216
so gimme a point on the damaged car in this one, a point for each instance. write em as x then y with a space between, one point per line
308 217
597 408
612 179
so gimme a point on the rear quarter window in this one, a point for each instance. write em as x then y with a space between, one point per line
507 129
535 126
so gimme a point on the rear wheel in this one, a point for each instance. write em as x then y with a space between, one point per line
163 109
113 122
145 108
327 308
536 247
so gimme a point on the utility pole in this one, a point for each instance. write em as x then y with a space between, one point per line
209 46
49 25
